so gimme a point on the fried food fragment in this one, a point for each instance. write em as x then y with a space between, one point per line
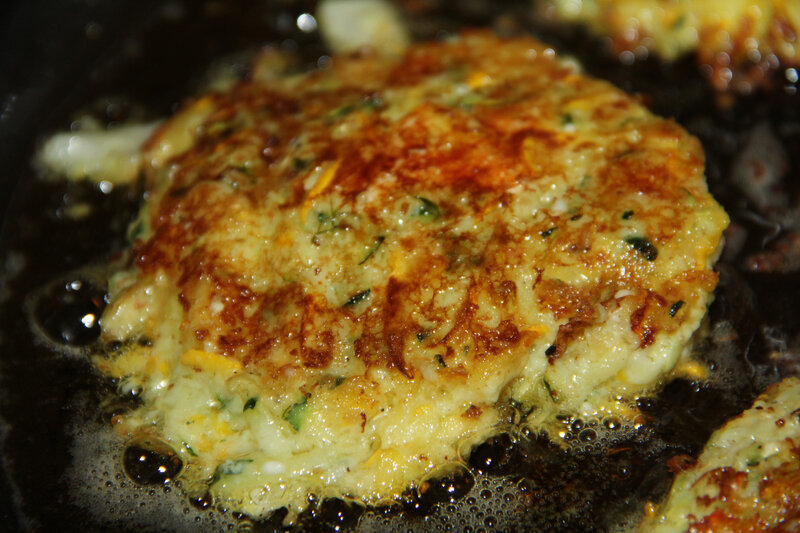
739 42
748 476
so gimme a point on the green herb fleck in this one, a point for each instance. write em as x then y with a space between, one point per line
329 221
330 381
340 112
567 119
753 461
326 221
372 103
357 298
223 402
297 413
675 307
300 163
552 392
469 101
378 241
546 233
136 231
627 215
624 154
690 199
250 404
221 127
422 335
189 449
428 209
369 104
232 466
576 217
440 360
643 246
521 408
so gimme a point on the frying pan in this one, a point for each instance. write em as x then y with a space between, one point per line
123 59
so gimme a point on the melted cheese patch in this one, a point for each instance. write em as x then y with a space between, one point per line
341 279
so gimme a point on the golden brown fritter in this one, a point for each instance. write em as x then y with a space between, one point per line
738 42
342 275
748 476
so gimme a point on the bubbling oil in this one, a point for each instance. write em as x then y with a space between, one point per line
101 483
65 313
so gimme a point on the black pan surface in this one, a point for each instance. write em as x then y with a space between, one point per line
126 59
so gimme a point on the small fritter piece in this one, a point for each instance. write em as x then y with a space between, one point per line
340 279
738 41
748 476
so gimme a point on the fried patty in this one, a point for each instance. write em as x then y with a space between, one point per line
738 41
748 476
342 280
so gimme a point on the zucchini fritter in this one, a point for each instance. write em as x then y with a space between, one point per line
738 41
341 278
748 476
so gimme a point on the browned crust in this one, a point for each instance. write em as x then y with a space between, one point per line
480 157
776 507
